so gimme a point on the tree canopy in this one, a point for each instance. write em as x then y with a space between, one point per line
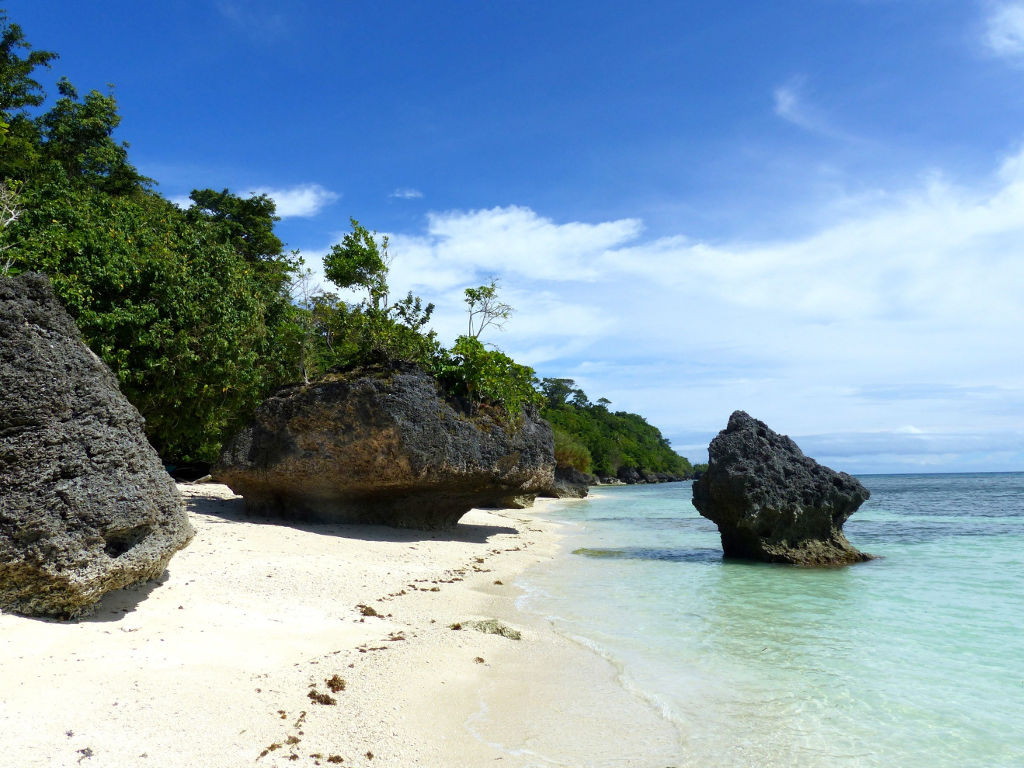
200 312
188 308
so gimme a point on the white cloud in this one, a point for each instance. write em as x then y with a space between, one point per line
908 312
1004 29
303 200
406 193
791 105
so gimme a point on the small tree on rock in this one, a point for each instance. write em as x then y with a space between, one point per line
485 309
9 213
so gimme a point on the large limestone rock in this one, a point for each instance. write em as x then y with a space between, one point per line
381 447
772 503
570 483
85 504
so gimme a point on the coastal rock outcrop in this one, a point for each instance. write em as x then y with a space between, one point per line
570 483
773 503
524 501
85 504
381 447
630 475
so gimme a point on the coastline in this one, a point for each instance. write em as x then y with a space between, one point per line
215 664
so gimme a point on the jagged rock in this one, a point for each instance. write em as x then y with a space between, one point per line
609 481
630 475
85 504
381 447
772 503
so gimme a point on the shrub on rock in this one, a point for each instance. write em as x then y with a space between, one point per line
382 446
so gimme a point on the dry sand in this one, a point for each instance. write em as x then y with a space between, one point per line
213 666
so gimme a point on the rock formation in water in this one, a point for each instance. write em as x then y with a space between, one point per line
85 504
381 447
772 503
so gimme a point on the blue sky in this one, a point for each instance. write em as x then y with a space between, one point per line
813 211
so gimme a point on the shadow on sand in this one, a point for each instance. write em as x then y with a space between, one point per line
233 510
113 606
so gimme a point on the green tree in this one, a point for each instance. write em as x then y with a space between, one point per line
9 213
485 309
170 306
612 440
359 261
570 452
78 135
19 90
248 223
482 375
381 333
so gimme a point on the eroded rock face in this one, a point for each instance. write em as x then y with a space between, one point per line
570 483
381 448
773 503
85 504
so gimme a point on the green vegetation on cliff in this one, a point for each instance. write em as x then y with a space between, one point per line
190 309
201 313
593 439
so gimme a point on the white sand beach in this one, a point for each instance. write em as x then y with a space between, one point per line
214 666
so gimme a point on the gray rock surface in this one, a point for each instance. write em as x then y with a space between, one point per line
381 447
570 483
630 475
773 503
85 504
524 501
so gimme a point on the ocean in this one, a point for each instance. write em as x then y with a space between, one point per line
913 659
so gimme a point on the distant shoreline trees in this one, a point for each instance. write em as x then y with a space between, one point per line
591 438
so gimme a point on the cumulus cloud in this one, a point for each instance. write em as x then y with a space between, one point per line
303 200
406 193
1004 29
905 314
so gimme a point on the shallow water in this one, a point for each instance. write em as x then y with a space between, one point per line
914 659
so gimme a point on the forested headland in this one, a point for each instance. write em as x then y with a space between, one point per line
201 312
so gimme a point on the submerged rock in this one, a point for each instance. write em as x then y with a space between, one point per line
85 504
773 503
381 447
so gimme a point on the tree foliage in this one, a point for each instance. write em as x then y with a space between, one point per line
486 309
482 375
375 331
611 440
188 308
166 302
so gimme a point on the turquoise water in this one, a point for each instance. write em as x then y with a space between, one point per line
914 659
